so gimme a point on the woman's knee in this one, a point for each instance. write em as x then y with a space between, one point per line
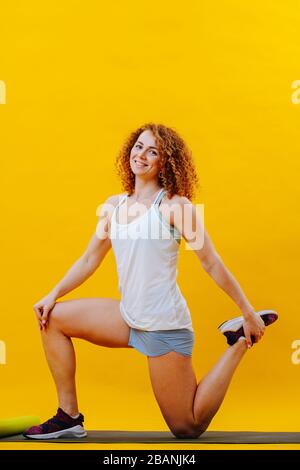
186 434
57 315
188 431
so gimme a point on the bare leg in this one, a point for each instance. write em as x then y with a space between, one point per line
97 320
60 356
212 388
188 408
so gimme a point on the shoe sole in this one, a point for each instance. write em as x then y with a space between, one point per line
268 317
76 431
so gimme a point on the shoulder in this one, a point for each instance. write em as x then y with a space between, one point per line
172 208
107 207
176 202
114 199
184 216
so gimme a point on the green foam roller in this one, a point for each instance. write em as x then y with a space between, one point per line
17 425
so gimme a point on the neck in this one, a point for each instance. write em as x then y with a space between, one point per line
144 190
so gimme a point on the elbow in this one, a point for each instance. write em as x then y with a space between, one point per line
92 262
209 264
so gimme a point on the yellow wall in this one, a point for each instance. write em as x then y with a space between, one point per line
79 77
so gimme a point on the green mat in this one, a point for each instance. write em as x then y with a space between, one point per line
151 437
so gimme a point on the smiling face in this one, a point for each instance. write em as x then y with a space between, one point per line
145 160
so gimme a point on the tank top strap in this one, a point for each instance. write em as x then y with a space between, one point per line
156 202
119 203
159 197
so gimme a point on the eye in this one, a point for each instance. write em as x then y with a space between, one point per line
139 145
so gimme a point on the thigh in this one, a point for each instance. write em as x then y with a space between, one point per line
97 320
174 385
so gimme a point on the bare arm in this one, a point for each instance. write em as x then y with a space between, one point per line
84 267
190 224
224 278
90 260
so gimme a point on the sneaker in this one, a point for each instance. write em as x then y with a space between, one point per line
233 328
61 425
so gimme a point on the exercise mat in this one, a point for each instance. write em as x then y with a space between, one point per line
150 437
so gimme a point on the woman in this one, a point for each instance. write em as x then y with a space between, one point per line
159 177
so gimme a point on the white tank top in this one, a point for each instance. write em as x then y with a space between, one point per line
146 252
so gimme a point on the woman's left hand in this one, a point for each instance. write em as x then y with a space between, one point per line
254 328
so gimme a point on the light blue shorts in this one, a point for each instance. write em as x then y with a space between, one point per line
156 343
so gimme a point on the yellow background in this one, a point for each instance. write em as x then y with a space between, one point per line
80 76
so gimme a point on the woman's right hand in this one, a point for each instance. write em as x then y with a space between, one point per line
42 309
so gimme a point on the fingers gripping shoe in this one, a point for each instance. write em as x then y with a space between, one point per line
233 329
61 425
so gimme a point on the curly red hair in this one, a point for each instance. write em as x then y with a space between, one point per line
178 174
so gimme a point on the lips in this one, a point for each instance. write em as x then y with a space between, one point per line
137 162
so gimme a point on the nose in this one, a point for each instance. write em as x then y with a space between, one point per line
142 154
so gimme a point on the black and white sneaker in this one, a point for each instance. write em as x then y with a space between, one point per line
61 425
233 329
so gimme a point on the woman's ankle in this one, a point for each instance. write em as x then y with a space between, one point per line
71 411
